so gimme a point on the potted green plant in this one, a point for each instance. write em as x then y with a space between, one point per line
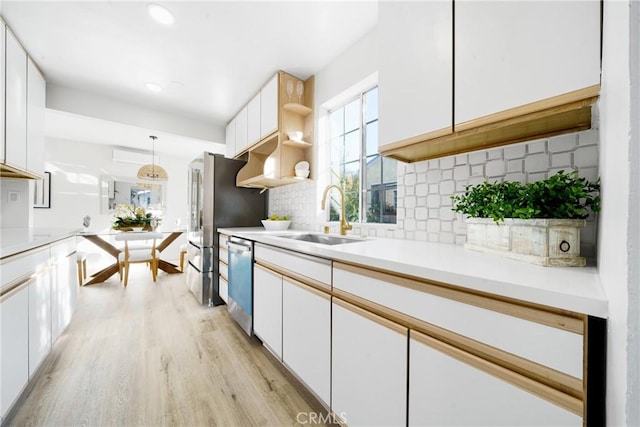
537 222
128 218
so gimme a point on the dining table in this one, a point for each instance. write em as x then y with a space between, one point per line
99 240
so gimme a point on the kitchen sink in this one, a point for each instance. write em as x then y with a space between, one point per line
323 239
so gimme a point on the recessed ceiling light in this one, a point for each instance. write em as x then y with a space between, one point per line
153 87
160 13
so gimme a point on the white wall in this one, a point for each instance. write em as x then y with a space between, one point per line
101 107
15 214
302 201
617 241
76 170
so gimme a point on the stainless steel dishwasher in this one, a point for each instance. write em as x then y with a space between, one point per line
241 282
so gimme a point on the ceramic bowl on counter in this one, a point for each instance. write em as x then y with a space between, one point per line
278 225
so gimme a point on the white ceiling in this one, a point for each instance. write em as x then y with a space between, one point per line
210 62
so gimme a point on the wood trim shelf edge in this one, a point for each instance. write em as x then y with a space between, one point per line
572 323
566 113
550 394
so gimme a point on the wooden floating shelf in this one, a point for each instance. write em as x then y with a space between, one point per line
261 182
554 116
302 144
297 108
8 171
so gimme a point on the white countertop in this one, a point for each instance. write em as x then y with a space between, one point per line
15 240
570 288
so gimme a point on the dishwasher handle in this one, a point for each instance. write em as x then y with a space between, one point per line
238 248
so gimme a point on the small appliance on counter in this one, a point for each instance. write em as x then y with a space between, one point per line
214 202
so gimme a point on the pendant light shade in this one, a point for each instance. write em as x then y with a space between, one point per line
153 172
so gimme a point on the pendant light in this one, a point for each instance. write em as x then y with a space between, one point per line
153 172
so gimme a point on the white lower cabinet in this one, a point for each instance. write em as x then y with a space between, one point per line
267 308
14 346
306 336
39 319
446 390
369 368
64 294
223 289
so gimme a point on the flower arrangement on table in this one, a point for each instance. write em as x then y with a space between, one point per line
128 217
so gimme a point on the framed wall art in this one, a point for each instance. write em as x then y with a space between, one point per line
42 193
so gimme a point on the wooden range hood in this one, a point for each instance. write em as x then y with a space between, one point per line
570 112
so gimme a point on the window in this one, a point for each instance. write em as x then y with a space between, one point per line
369 180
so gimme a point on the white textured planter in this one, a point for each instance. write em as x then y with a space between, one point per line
548 242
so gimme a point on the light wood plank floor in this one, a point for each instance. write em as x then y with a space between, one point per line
149 355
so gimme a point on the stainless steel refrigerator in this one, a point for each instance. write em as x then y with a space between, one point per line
216 202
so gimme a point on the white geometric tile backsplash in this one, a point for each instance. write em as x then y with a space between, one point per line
425 188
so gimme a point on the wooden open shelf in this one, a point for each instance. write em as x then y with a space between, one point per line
8 171
554 116
292 143
271 162
294 107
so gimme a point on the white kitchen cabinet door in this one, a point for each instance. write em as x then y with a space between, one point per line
36 95
3 30
508 54
241 130
267 308
223 289
445 391
39 320
269 107
369 368
64 295
14 347
230 139
415 69
253 121
306 336
15 103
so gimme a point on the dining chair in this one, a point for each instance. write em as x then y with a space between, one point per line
137 255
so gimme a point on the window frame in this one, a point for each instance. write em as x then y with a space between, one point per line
362 155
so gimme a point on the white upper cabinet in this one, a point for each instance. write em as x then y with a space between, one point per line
508 54
16 103
415 69
241 130
230 139
253 121
3 30
269 107
36 99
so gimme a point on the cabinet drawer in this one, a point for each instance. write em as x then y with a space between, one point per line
24 264
224 270
60 250
315 268
222 241
528 336
450 387
223 255
223 290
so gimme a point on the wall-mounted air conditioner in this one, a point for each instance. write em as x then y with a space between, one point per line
135 157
